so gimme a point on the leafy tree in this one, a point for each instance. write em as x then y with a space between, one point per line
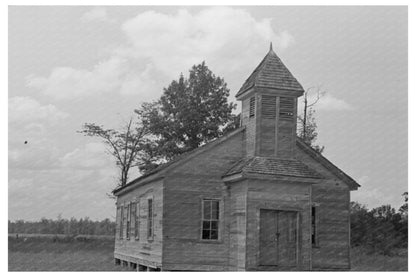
126 145
307 128
191 112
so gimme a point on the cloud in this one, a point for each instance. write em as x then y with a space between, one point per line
160 46
331 103
97 14
91 156
26 110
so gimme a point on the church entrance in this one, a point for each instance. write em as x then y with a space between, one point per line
279 238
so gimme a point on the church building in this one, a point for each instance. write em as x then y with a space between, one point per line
258 198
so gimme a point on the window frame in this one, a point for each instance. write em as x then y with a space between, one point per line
218 220
315 225
121 230
137 221
150 219
128 220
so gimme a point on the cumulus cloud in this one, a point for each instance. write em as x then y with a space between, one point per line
26 110
331 103
91 156
160 46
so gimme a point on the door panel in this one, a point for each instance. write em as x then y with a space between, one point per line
287 238
268 240
278 238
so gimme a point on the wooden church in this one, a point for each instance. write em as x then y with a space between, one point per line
257 198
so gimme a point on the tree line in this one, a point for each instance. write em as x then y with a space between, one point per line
381 229
60 226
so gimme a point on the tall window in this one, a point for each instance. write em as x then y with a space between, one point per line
133 219
314 221
128 214
136 221
121 221
149 218
210 219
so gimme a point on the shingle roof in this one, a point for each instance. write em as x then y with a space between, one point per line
273 166
271 73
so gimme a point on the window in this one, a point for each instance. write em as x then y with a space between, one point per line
128 214
286 108
136 221
252 106
133 219
149 218
210 219
314 221
121 221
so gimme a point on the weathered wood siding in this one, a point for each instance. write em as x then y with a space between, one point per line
277 195
237 218
332 198
185 188
146 251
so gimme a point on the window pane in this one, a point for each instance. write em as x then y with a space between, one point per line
214 225
215 209
205 234
214 234
207 209
205 225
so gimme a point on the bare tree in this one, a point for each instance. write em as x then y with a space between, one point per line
307 130
126 145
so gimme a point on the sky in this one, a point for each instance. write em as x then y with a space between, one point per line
71 65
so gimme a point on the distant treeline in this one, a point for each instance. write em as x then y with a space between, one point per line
71 227
382 229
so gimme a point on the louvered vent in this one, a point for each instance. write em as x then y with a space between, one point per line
268 107
286 108
252 106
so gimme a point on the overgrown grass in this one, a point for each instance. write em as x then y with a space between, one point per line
89 253
362 260
50 253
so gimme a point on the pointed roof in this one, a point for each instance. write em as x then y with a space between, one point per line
271 73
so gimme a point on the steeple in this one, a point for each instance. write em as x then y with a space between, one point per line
269 108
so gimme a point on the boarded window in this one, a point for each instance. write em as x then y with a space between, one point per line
252 106
268 106
121 221
210 219
128 221
137 220
149 218
286 108
314 221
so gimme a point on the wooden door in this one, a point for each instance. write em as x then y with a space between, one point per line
278 238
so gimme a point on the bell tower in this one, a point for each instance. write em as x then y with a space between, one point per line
269 109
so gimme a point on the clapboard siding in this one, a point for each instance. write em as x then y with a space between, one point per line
185 188
143 250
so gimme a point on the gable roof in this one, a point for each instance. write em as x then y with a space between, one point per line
273 166
179 159
271 73
327 164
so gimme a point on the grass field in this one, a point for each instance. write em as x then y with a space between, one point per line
49 253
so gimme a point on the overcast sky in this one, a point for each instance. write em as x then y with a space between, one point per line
70 65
